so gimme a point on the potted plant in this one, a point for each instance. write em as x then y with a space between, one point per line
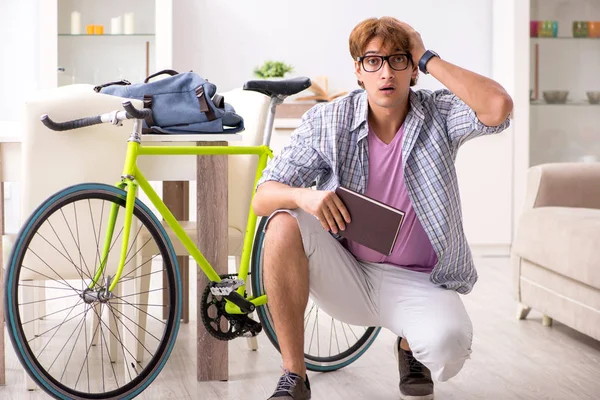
272 69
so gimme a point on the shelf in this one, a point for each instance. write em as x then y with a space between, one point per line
568 103
563 38
106 34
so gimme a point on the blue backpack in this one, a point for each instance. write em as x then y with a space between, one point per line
181 103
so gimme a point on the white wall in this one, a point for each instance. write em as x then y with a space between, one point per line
18 55
225 40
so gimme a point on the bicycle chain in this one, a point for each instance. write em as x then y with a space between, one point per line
238 324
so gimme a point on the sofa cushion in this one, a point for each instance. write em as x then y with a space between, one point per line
563 239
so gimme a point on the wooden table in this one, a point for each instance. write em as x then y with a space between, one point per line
210 174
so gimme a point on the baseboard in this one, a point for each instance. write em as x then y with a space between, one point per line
490 250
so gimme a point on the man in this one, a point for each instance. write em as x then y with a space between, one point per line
398 146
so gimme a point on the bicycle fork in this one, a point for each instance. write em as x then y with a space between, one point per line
108 237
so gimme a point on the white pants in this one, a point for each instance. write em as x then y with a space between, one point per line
433 320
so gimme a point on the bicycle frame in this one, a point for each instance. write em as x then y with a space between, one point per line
132 178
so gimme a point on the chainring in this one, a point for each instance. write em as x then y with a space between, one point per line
215 318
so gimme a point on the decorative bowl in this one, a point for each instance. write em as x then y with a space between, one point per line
593 97
555 96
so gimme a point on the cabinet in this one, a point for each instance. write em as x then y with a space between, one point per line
70 56
565 62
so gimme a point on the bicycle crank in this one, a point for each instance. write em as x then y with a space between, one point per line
217 321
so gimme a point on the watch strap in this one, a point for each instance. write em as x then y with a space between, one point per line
425 59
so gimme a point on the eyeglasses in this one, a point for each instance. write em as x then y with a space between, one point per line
398 62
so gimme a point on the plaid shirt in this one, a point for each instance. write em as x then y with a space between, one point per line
330 149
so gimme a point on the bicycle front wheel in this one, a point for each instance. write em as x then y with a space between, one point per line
74 338
329 344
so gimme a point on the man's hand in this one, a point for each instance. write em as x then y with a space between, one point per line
417 48
327 207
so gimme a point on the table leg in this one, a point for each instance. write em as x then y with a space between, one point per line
176 196
212 241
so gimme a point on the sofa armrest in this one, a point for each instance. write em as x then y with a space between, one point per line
563 185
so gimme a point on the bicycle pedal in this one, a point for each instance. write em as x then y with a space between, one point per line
253 328
225 287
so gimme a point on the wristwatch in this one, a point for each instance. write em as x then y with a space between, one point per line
425 59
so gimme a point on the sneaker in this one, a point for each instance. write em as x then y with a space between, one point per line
415 378
291 387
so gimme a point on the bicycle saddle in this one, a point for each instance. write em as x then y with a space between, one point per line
286 87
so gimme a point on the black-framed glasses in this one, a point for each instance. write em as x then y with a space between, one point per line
373 63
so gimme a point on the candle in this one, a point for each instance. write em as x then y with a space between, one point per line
75 23
115 25
129 23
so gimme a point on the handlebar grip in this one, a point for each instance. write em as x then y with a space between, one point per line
136 113
65 126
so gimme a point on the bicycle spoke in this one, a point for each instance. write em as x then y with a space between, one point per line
144 263
54 298
88 361
141 276
74 241
149 333
313 331
56 331
50 279
137 308
140 304
109 356
125 326
69 259
51 329
45 316
89 346
52 269
62 243
306 318
82 323
120 341
79 242
45 287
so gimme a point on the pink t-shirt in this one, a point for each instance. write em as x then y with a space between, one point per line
413 248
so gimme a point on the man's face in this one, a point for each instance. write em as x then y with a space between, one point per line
387 87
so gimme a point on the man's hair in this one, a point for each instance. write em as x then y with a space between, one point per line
387 28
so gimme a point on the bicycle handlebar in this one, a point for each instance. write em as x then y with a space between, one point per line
134 112
113 117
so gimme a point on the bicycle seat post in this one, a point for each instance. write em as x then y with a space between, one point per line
277 91
276 99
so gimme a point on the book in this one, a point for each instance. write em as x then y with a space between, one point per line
373 224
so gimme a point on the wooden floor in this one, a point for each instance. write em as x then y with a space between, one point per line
511 360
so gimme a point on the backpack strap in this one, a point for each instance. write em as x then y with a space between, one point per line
219 101
149 120
123 82
164 71
204 107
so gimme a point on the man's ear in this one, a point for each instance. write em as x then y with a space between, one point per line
357 70
415 73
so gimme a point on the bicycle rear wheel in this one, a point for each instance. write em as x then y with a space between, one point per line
329 344
82 343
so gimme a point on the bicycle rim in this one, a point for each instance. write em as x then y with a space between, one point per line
83 344
329 344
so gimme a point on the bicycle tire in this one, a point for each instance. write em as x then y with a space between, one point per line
313 362
45 380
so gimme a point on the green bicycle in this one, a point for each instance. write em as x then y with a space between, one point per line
104 334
